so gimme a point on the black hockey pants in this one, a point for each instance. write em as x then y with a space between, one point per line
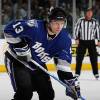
25 81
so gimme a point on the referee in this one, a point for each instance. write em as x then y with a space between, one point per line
86 31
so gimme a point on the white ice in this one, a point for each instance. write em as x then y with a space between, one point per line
90 87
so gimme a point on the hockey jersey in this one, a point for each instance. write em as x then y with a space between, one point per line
42 48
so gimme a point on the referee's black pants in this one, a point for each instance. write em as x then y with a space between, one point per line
25 81
80 52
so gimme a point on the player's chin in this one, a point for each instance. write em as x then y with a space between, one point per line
57 31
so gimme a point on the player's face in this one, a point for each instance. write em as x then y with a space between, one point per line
56 26
89 14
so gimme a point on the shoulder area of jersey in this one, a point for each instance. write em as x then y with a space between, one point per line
95 20
65 40
65 31
65 35
81 18
34 22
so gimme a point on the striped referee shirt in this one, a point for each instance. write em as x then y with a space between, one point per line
87 29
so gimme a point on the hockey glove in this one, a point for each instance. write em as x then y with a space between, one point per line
23 53
75 85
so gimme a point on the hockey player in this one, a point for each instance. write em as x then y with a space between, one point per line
40 41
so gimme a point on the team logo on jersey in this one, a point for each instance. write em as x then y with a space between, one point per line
41 52
32 23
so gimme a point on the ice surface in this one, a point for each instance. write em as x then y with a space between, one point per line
90 87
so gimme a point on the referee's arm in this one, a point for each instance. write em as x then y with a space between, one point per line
98 33
77 29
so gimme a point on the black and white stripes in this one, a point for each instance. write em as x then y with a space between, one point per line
87 29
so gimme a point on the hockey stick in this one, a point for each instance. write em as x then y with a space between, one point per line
67 85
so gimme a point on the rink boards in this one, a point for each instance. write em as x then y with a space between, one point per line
85 66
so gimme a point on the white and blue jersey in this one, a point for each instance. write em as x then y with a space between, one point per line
42 49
